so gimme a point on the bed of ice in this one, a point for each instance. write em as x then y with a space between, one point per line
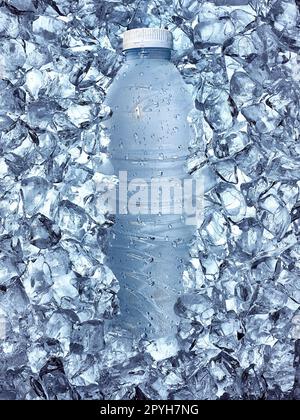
240 329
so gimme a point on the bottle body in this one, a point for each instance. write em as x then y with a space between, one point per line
149 140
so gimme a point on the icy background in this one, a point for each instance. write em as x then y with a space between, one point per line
240 313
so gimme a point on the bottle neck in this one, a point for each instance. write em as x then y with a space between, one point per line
147 53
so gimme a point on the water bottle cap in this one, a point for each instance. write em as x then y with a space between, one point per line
147 38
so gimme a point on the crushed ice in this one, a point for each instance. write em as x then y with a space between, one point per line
240 322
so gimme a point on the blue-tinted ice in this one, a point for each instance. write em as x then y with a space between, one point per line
240 323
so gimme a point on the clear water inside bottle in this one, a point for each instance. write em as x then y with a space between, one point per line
149 139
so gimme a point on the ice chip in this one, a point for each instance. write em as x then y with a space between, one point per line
214 229
57 259
82 115
13 56
274 216
33 192
82 263
231 143
253 190
63 288
187 9
285 14
88 338
252 161
243 89
238 333
72 218
162 348
279 364
59 327
9 26
13 300
264 118
232 200
53 384
250 240
22 5
8 269
47 27
43 232
195 306
213 32
227 171
37 287
218 113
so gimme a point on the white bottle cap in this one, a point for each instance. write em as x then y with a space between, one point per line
147 38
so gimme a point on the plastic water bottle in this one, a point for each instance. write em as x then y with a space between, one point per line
149 140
